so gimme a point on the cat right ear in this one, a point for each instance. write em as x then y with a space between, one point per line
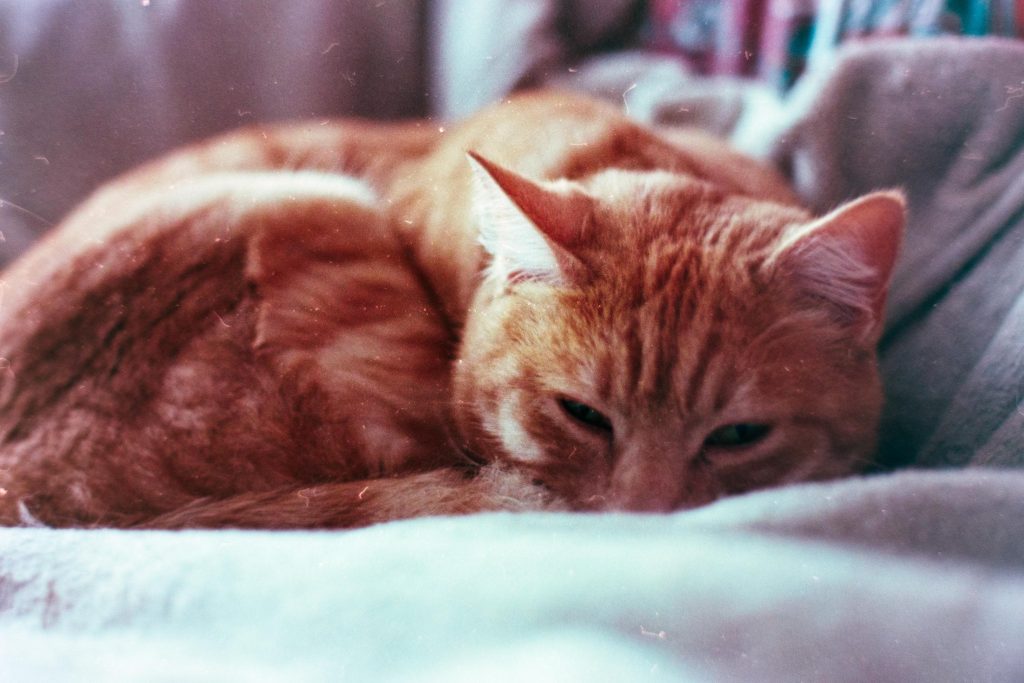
845 259
529 230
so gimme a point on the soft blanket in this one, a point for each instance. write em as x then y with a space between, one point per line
909 577
914 576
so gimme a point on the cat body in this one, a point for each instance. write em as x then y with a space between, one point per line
581 314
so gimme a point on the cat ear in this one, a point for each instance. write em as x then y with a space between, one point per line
847 257
529 230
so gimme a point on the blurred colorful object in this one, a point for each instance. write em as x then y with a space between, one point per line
775 39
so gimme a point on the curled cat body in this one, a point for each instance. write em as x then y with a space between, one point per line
545 307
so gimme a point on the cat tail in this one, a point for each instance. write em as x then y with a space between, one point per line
362 503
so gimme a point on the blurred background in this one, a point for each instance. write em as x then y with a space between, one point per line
89 89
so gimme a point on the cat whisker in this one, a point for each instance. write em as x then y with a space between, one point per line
471 457
6 202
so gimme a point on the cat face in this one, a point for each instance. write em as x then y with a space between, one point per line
643 342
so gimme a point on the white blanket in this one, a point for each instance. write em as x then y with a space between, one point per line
908 577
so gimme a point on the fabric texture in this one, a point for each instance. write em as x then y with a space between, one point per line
909 577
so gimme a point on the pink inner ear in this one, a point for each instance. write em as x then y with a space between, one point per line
561 217
847 257
877 221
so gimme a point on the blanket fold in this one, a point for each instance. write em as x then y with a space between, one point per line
943 118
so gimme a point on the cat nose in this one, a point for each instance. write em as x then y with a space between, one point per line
647 485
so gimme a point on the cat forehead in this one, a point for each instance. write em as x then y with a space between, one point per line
642 206
688 348
617 185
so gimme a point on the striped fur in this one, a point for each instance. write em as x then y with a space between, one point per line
242 334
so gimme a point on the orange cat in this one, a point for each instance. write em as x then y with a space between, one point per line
580 314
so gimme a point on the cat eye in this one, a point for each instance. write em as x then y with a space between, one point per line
737 435
583 413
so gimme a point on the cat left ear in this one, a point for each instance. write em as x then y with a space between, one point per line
846 259
528 229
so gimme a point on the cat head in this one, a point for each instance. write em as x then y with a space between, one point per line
643 341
